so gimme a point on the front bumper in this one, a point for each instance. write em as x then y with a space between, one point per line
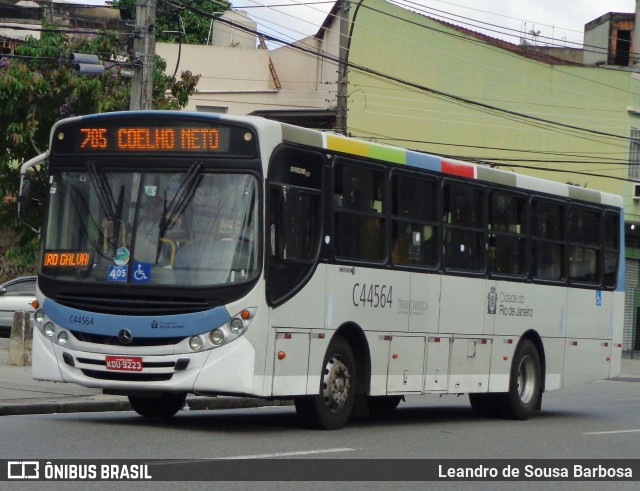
228 369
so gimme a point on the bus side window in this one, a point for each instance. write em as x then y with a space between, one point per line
464 232
507 229
548 240
584 247
414 226
359 222
294 220
611 248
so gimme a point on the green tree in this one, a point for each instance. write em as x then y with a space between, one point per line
38 86
168 15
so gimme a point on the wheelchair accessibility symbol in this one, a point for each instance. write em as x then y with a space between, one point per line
141 272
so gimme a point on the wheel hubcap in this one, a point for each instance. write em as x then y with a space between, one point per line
336 383
526 379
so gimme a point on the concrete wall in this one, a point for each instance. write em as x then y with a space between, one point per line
596 42
230 37
237 80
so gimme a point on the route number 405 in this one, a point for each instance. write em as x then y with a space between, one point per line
117 273
376 296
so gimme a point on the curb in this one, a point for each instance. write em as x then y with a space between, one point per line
102 403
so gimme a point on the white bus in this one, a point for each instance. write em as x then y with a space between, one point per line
217 255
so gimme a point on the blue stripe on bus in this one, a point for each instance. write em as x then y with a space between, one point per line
148 326
424 161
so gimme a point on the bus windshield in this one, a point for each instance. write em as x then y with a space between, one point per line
159 228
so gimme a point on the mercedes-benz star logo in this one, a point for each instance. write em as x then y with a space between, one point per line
125 336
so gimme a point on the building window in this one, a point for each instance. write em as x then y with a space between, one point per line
634 154
212 109
622 48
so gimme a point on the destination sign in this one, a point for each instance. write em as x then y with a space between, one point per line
96 136
145 139
66 259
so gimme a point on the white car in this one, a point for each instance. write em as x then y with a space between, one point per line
15 294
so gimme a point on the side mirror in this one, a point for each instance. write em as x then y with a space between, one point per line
24 198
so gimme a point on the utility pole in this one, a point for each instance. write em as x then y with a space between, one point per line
144 49
343 69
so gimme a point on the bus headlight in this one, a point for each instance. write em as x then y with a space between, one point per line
236 326
63 338
195 343
49 329
39 316
217 337
232 329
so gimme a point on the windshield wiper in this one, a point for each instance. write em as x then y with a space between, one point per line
172 212
112 210
103 191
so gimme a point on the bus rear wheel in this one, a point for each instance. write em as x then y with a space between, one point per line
331 407
524 393
165 406
485 404
525 382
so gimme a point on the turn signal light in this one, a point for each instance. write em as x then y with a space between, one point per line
35 304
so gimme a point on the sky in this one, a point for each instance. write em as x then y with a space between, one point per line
562 20
559 20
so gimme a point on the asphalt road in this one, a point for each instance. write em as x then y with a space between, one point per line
595 421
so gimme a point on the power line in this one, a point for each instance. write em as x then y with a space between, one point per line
414 85
422 89
517 54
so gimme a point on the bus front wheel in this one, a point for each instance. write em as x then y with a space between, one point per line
165 406
331 407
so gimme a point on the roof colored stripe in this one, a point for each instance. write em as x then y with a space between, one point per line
302 136
589 195
424 161
541 185
397 155
496 176
388 154
347 145
458 168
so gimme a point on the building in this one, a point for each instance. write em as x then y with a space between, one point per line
432 86
292 83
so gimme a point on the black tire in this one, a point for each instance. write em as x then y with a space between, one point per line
331 408
382 405
485 404
165 406
525 383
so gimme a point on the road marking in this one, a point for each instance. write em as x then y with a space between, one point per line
286 454
613 432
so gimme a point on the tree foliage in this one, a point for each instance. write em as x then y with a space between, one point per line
169 15
39 87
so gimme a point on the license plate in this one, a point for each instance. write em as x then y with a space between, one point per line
124 363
